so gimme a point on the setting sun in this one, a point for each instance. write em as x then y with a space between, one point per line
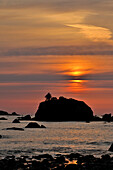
76 81
77 73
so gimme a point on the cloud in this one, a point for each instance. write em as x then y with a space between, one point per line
92 76
54 76
59 5
30 77
93 32
99 49
99 84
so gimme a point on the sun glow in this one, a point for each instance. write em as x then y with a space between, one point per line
76 81
77 73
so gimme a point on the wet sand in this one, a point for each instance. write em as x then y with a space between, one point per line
73 161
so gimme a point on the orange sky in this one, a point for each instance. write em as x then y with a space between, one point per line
63 47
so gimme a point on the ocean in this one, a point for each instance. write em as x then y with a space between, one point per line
58 138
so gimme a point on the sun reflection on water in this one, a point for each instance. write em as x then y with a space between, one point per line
73 162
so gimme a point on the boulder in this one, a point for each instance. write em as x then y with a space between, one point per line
14 128
111 148
3 118
34 125
27 117
64 109
39 157
42 126
3 112
107 117
16 121
14 114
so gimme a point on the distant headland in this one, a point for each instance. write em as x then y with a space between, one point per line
4 113
61 109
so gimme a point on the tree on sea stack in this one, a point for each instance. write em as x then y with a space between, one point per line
48 96
63 109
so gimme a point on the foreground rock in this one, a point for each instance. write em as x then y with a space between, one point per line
63 109
63 162
34 125
14 128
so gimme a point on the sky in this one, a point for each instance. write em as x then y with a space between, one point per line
64 47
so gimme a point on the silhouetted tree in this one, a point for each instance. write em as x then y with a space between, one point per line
48 96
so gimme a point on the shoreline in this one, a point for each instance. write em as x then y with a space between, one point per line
73 161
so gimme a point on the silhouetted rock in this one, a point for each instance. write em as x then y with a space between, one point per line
71 167
27 117
14 128
3 112
96 118
43 162
106 157
15 114
107 117
47 156
63 109
8 114
3 118
73 156
34 125
111 148
87 121
16 121
42 126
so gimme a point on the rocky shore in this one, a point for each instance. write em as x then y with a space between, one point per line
73 161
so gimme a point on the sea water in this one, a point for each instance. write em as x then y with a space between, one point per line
58 138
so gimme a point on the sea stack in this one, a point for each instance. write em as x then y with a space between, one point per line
63 109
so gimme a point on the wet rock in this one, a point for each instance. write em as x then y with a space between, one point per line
71 167
111 148
60 159
106 157
88 158
16 121
24 163
14 128
36 164
74 155
44 156
34 125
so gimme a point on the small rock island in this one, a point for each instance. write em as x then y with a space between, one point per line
63 109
